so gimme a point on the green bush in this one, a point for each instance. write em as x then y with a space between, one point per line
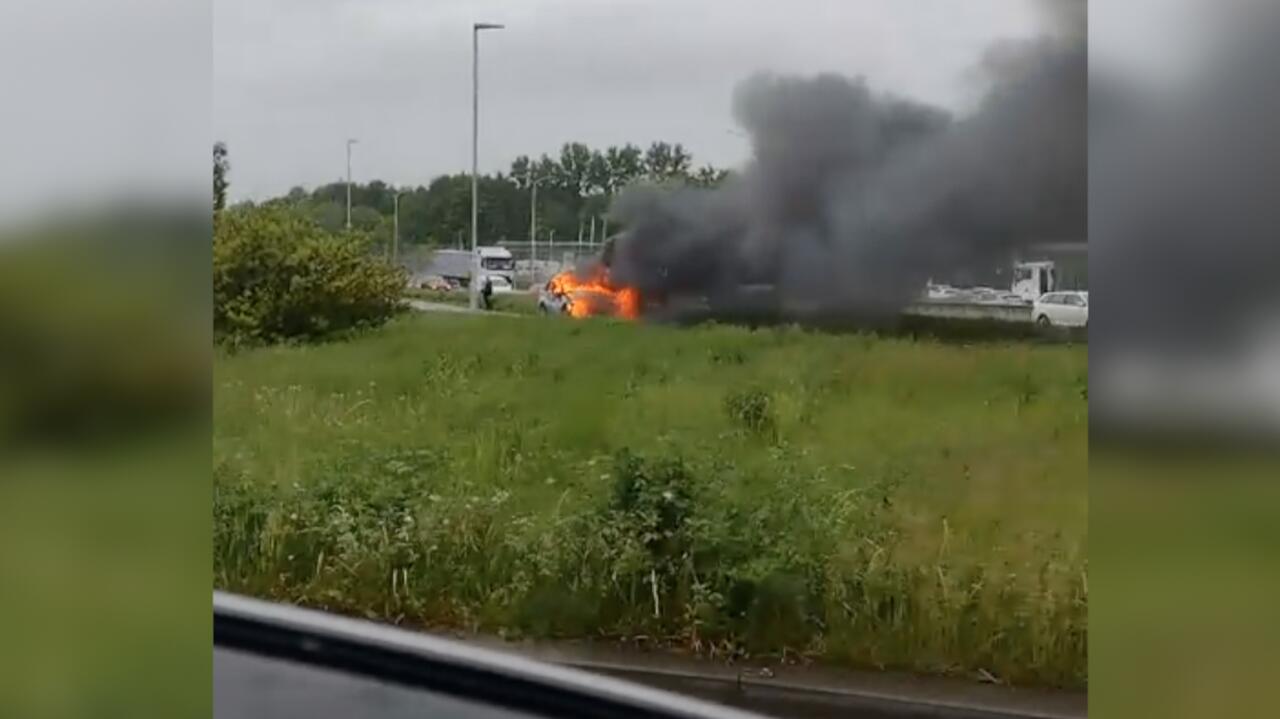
278 276
654 497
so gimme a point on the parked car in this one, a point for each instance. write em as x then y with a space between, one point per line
1062 309
434 282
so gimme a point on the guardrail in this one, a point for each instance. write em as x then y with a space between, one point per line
971 310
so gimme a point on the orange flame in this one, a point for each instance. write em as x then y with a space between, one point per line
595 296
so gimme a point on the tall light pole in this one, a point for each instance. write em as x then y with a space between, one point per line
475 157
395 231
350 142
533 222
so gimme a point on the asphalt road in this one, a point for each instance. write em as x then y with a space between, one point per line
780 690
425 306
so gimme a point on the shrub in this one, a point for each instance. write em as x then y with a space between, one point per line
278 276
654 495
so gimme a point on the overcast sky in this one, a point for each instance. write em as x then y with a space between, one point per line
103 98
294 78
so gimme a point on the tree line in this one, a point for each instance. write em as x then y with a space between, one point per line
574 189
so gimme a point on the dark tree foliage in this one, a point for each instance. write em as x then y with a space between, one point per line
221 168
579 183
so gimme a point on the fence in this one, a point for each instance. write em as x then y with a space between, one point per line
535 263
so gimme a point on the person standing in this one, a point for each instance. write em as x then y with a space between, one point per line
486 292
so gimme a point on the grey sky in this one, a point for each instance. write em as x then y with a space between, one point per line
108 98
102 99
294 78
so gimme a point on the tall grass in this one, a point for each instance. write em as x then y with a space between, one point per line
862 500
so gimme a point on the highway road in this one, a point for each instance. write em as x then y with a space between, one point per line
788 690
425 306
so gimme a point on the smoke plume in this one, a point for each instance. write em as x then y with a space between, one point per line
854 198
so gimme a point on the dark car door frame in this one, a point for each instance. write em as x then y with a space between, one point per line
433 664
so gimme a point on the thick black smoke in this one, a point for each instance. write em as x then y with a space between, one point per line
854 198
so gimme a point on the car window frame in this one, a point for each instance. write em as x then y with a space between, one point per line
442 667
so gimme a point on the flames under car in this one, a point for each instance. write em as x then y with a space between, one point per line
588 293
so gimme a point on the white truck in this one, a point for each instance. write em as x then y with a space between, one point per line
457 266
1032 279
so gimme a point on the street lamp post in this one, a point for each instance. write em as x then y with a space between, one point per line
475 157
395 231
533 222
350 142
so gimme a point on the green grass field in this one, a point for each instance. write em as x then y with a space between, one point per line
863 500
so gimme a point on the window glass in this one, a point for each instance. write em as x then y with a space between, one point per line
498 263
248 686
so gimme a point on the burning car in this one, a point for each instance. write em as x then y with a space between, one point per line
588 293
552 302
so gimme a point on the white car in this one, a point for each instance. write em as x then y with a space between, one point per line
1061 309
501 284
552 303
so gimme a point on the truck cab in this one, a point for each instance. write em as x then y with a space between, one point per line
499 266
1033 279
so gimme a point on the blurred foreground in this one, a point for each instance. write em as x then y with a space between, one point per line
1184 362
104 546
